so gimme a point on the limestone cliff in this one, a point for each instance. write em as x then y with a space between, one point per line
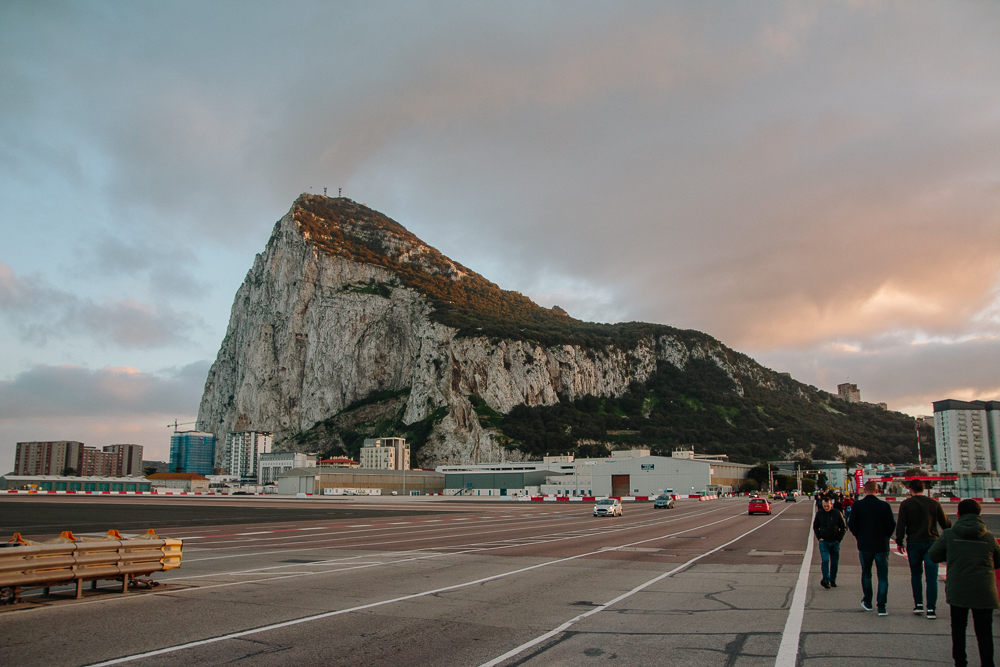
345 303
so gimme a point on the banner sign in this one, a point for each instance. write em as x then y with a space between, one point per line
859 479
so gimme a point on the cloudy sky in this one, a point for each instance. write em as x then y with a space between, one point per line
816 184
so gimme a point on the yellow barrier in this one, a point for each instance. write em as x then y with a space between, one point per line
28 564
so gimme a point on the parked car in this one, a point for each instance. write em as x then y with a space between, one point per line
608 507
663 501
759 505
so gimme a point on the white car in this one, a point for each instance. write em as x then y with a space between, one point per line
608 507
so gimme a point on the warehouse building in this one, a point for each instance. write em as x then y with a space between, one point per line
336 481
624 473
73 483
495 483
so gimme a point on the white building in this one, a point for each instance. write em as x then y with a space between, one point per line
274 463
962 435
243 451
385 454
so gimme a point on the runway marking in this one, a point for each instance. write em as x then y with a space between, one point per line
422 536
788 651
412 596
562 628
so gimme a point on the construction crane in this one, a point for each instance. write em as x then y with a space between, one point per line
175 424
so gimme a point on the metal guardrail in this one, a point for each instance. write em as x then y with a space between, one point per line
68 559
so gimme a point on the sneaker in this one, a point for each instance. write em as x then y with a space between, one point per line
824 583
882 611
866 606
931 614
918 609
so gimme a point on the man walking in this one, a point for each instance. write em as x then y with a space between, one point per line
972 555
829 528
872 524
919 518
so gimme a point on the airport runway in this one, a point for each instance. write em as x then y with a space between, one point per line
419 582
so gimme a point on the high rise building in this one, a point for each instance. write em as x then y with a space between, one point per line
192 451
966 435
385 454
849 392
242 453
128 459
48 458
55 458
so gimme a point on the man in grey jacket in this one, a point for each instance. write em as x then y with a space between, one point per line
916 531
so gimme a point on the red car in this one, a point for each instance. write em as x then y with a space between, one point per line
759 505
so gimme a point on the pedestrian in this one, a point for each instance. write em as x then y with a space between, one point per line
972 555
829 527
872 524
917 526
847 502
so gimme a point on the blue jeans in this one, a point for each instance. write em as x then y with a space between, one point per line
916 553
881 560
829 552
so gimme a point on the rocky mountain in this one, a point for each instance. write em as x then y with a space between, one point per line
349 326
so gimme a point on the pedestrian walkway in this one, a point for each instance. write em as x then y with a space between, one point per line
835 627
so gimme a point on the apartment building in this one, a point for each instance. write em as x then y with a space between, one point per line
966 435
192 451
58 457
243 451
385 454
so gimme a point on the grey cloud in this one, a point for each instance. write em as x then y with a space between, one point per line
40 312
169 268
62 391
902 375
780 175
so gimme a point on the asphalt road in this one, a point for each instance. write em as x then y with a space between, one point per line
490 583
43 516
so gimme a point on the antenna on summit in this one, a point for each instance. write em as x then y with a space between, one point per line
339 190
324 192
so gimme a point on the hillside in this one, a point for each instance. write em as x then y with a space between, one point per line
348 326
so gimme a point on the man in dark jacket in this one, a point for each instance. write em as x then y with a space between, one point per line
972 555
830 528
872 524
919 518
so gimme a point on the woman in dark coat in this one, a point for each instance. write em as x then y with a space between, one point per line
972 555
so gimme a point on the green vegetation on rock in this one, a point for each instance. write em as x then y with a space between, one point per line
699 408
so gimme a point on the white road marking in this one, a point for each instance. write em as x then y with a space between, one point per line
788 651
403 598
262 532
562 628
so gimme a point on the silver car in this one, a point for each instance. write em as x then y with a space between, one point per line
663 501
608 507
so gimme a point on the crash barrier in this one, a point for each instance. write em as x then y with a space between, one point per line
68 559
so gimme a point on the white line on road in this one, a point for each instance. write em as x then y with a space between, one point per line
788 651
403 598
562 628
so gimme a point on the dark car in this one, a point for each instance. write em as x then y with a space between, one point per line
790 498
759 506
663 501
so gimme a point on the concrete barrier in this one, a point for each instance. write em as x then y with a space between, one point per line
68 559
